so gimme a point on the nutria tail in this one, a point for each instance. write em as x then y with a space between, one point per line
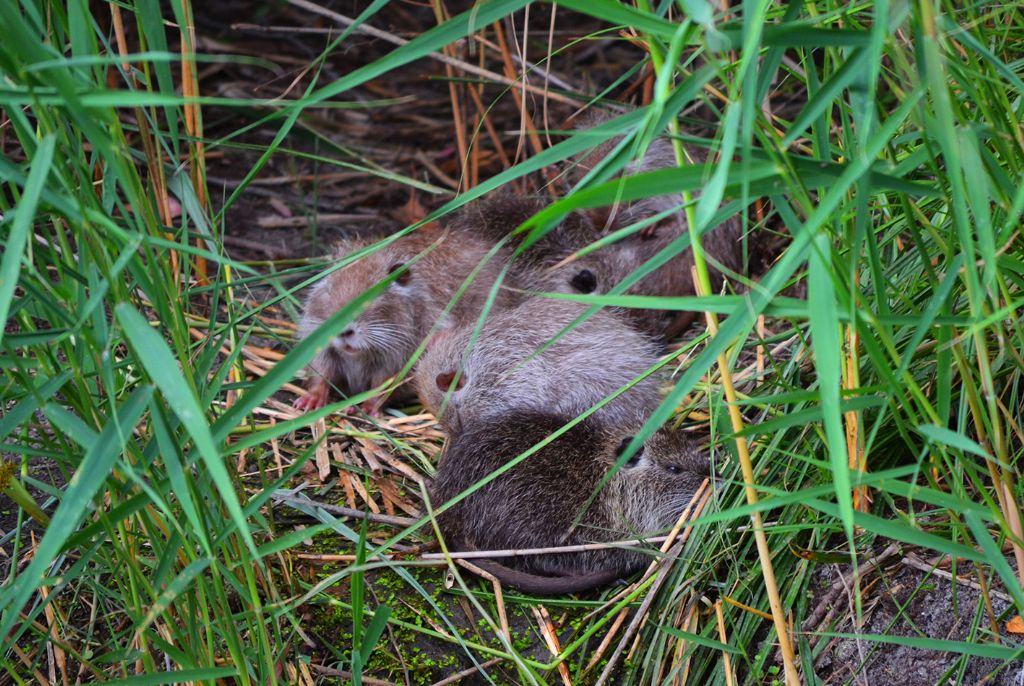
547 585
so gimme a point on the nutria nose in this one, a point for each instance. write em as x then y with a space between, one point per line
347 333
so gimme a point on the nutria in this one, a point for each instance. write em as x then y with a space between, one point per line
431 266
541 501
550 266
607 267
600 271
508 367
496 216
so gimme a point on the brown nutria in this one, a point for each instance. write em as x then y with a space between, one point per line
601 270
497 215
375 345
550 265
508 367
541 501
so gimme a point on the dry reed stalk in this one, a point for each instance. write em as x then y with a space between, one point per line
492 133
357 484
459 64
459 676
56 657
692 511
517 552
993 620
547 632
441 15
547 75
696 506
857 460
761 333
154 157
689 623
749 483
1002 478
526 64
726 659
746 608
29 663
194 124
499 597
527 128
478 116
607 640
323 461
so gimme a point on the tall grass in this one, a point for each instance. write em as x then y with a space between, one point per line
891 413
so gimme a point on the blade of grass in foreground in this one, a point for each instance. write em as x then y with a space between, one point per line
824 324
24 215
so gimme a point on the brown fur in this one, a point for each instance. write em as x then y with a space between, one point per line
548 265
381 340
503 370
496 216
536 503
614 263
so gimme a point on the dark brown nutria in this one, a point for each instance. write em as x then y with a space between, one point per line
536 503
379 342
507 367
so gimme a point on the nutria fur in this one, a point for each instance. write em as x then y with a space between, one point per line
503 369
495 217
379 342
545 267
607 267
540 502
612 264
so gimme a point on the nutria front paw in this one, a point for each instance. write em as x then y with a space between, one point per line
315 398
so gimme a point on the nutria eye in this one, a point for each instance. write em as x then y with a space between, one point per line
673 469
584 281
403 278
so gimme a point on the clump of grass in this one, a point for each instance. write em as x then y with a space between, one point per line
886 406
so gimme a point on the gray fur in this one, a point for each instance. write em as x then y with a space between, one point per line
614 263
502 373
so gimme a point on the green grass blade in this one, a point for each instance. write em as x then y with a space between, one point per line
21 225
88 479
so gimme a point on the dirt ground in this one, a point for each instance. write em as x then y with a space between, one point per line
903 598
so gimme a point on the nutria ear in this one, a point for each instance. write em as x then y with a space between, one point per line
584 281
599 217
444 381
622 448
403 278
